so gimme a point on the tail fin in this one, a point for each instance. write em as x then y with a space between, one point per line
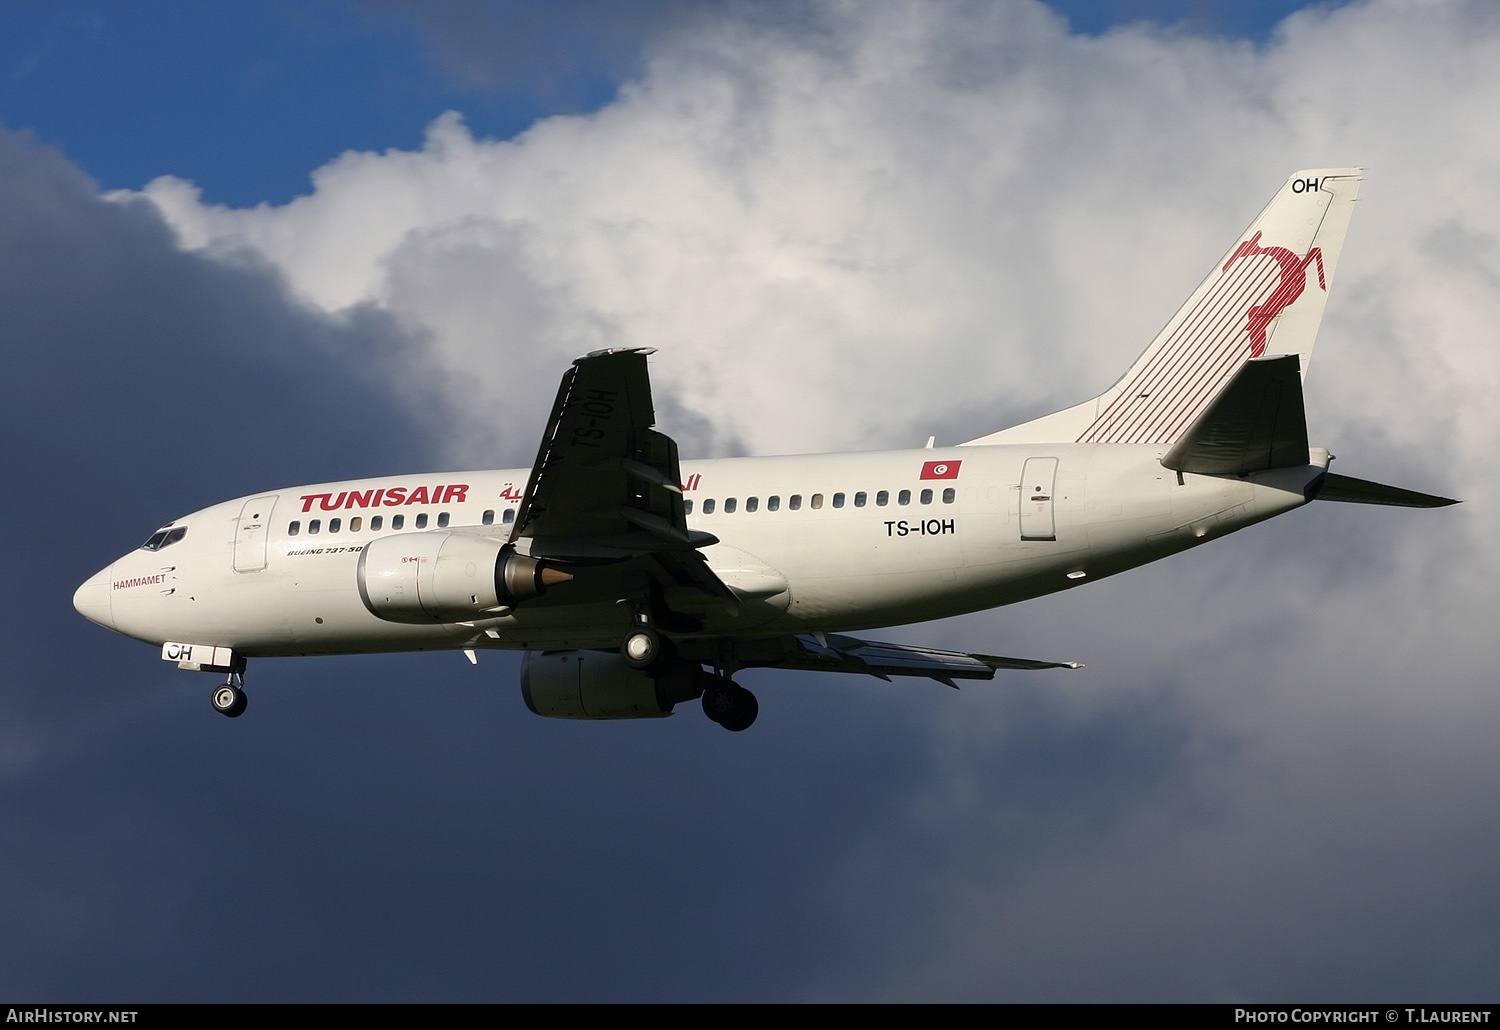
1266 297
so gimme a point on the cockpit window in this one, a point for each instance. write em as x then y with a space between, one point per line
164 538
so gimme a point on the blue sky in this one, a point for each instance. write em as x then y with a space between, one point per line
243 247
245 99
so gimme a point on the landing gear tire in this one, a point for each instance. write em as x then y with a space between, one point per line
643 648
229 700
730 705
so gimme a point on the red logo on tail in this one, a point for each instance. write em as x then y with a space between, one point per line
1293 282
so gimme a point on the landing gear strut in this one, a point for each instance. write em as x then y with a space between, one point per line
229 697
730 705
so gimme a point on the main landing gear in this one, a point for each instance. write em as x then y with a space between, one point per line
646 650
643 648
229 697
729 704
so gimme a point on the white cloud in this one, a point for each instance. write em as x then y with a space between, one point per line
949 217
944 209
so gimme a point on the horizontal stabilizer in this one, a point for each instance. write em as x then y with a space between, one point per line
1256 422
1362 491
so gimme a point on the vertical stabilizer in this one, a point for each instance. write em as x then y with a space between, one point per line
1265 297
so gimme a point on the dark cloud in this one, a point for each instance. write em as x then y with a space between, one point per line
576 55
519 46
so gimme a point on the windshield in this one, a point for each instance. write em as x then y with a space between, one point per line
164 538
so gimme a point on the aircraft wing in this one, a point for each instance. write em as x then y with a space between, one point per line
835 652
605 487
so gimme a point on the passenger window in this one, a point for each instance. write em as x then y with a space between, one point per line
355 523
422 521
376 521
882 498
442 519
859 499
926 497
752 503
687 506
334 524
314 526
708 506
729 505
948 495
397 521
773 503
794 502
817 500
510 515
904 497
294 529
838 500
488 518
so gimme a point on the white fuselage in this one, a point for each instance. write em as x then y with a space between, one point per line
850 541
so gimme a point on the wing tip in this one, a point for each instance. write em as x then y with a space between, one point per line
607 351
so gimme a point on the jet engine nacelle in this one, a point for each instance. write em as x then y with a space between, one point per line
599 685
447 577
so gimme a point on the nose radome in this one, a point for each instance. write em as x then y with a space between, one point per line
92 599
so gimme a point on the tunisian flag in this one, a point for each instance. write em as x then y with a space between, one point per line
940 469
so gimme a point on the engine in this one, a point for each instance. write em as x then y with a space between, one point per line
448 577
599 685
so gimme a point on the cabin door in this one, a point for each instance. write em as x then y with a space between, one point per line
1038 477
251 534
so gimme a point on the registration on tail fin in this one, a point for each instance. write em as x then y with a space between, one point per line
1264 298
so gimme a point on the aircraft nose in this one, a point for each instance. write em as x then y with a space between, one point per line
92 599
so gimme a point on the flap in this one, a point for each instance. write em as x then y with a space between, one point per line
839 653
606 486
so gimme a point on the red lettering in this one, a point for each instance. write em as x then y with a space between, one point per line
139 581
453 493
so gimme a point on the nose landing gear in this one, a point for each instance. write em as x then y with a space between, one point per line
229 697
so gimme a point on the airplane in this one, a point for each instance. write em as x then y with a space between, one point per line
636 582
